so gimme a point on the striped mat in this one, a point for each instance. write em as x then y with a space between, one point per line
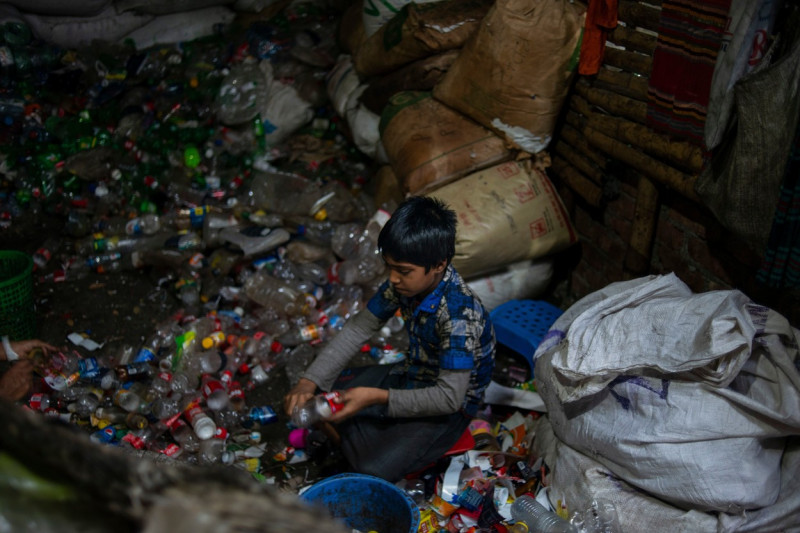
689 36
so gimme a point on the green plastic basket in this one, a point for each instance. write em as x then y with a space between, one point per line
17 310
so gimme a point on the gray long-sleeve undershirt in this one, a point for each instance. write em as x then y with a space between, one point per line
444 397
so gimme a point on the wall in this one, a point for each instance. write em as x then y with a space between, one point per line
630 190
687 240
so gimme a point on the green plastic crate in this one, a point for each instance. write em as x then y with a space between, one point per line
17 310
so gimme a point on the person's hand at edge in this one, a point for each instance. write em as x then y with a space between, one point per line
17 381
24 347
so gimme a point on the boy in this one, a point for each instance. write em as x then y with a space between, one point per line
399 418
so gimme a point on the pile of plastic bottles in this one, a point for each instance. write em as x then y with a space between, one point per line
176 159
115 131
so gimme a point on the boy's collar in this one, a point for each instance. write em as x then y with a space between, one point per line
431 301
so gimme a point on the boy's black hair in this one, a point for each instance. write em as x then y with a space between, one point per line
421 231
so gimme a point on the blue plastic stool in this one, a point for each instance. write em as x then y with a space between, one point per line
522 324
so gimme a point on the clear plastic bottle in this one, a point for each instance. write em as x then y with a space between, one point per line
160 386
145 224
132 398
357 271
268 291
212 450
318 408
600 517
183 435
348 240
242 93
537 518
297 336
202 424
163 408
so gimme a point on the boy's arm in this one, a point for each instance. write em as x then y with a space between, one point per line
445 397
337 353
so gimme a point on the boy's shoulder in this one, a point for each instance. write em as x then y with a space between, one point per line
458 292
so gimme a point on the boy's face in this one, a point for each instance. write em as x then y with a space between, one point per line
411 280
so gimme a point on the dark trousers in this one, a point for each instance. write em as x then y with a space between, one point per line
386 447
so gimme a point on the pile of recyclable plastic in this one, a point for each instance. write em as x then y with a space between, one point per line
218 164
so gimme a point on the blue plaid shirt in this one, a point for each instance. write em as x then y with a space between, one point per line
448 329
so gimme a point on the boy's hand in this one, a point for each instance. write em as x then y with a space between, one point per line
16 383
358 398
299 395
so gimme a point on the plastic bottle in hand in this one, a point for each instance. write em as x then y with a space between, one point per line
526 510
318 408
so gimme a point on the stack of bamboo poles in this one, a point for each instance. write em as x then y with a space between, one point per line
606 120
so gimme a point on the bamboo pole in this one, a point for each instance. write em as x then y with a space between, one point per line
613 103
633 39
570 132
683 154
579 183
653 169
680 153
623 83
629 61
637 14
643 229
575 158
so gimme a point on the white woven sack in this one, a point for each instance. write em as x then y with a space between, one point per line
690 397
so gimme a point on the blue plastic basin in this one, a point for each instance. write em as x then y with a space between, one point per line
365 503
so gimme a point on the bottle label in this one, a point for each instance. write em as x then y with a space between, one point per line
236 392
36 401
263 415
211 386
88 368
171 449
105 435
309 333
334 401
333 272
144 355
134 440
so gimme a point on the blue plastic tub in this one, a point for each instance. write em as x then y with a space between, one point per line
365 503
